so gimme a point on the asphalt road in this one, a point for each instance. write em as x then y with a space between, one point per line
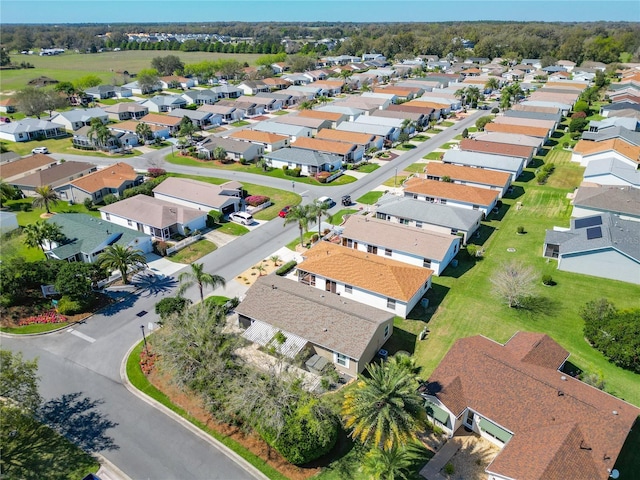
87 361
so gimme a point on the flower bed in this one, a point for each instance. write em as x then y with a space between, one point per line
255 200
48 317
147 361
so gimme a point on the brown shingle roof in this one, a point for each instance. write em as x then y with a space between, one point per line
53 174
521 151
587 147
415 108
519 129
25 165
130 126
370 272
562 427
109 177
345 136
451 191
328 146
333 116
468 174
257 136
160 119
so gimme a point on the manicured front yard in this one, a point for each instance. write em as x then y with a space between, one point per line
338 217
367 168
60 145
370 198
415 168
193 252
433 156
462 303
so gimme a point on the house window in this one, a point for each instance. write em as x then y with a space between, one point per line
341 359
107 216
349 243
476 207
404 221
426 262
348 289
415 196
372 249
454 231
419 224
391 303
443 201
386 331
130 223
387 252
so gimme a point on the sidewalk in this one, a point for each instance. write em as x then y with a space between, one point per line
431 471
109 471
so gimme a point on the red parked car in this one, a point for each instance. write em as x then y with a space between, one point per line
284 211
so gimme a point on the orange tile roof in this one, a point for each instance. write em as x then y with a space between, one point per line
327 83
587 147
399 91
340 148
373 273
174 78
25 165
344 136
6 102
333 116
468 174
109 177
421 103
520 129
160 119
130 126
565 84
256 136
276 81
496 148
451 191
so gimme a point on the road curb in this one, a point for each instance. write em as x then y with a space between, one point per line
185 423
109 471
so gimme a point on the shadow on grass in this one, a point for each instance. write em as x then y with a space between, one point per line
435 295
515 192
536 306
526 176
401 341
465 263
551 143
343 460
536 162
481 235
557 134
499 215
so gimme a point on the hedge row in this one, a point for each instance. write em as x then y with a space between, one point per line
286 268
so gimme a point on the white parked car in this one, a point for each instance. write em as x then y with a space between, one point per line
40 150
243 218
326 200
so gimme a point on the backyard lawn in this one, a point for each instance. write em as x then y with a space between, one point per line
462 303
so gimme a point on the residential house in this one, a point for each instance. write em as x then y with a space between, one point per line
564 107
29 129
127 128
402 94
453 194
433 217
252 87
8 105
279 68
200 97
335 118
494 148
266 104
126 111
228 114
310 162
611 171
56 176
336 329
388 133
292 131
499 163
314 124
535 132
556 118
84 139
152 216
227 91
548 125
602 245
465 175
248 108
367 104
114 179
621 201
586 151
78 118
199 119
521 107
351 113
21 167
172 124
547 424
349 152
269 142
512 139
297 79
9 157
86 237
176 81
136 89
376 281
225 198
623 127
101 92
426 113
366 140
276 83
287 100
235 149
407 244
164 103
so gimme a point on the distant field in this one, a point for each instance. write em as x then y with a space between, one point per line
69 66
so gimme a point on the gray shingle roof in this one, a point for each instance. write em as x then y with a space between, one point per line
556 117
325 319
614 233
625 134
303 156
432 213
152 211
483 160
614 167
620 200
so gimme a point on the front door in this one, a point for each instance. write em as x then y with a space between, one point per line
330 286
468 421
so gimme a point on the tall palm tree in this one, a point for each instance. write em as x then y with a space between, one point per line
143 131
472 96
117 257
45 197
492 83
318 210
34 234
392 464
6 191
300 214
197 276
384 409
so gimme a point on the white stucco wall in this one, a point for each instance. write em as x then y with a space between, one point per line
606 263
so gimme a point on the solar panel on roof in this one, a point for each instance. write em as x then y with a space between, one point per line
594 232
588 222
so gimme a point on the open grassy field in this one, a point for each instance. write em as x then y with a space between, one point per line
71 66
462 303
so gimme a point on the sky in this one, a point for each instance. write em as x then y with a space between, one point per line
151 11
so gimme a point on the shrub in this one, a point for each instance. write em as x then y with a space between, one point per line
465 133
147 361
495 110
579 115
25 207
449 469
472 250
578 124
68 306
542 177
170 305
547 280
314 238
109 198
322 176
286 268
292 172
161 248
255 200
214 217
156 172
520 229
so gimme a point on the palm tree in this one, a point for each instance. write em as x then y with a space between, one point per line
492 83
99 131
392 464
45 197
197 276
34 234
143 131
300 214
6 191
472 96
51 232
275 259
187 128
117 257
318 210
384 409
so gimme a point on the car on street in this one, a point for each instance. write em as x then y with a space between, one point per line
346 200
326 200
40 150
284 211
242 218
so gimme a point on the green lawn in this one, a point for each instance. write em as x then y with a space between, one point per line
35 328
368 168
113 101
307 237
232 228
240 123
415 168
280 112
420 138
336 218
467 306
60 145
447 124
32 215
446 146
395 181
193 252
433 156
404 147
370 198
139 380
